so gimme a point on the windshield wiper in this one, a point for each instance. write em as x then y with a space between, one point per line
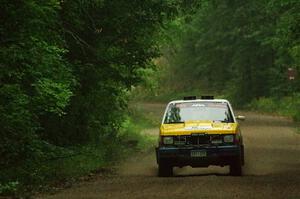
221 121
226 121
175 122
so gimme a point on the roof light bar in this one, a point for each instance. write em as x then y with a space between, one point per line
207 97
189 98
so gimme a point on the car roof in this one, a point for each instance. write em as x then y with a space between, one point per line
199 100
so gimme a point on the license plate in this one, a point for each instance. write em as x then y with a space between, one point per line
201 153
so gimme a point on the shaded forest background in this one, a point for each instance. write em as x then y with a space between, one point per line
66 72
69 68
239 50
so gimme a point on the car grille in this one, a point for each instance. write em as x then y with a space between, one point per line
194 139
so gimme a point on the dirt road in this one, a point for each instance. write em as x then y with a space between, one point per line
272 170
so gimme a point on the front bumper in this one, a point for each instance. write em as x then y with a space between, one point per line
181 156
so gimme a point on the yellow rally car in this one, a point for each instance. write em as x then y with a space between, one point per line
199 133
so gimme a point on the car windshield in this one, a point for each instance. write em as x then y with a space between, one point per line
187 111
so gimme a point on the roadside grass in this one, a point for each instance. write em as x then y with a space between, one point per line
147 115
81 162
286 106
298 129
51 174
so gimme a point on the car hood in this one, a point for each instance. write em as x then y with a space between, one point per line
192 127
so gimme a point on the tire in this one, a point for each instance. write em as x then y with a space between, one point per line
235 168
243 155
165 169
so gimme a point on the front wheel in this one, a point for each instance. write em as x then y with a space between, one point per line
235 167
165 169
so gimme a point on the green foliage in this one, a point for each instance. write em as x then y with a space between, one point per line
267 105
130 134
287 106
9 188
17 125
238 49
35 78
66 71
55 95
65 165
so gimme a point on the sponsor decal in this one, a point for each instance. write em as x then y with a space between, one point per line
198 127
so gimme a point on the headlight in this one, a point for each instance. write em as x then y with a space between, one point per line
168 140
228 138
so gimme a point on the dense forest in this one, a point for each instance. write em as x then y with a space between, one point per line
240 50
66 71
68 68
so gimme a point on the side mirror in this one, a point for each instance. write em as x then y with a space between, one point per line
240 117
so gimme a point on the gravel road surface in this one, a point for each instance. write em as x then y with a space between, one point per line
272 169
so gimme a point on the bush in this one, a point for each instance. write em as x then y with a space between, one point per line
268 105
9 188
286 106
